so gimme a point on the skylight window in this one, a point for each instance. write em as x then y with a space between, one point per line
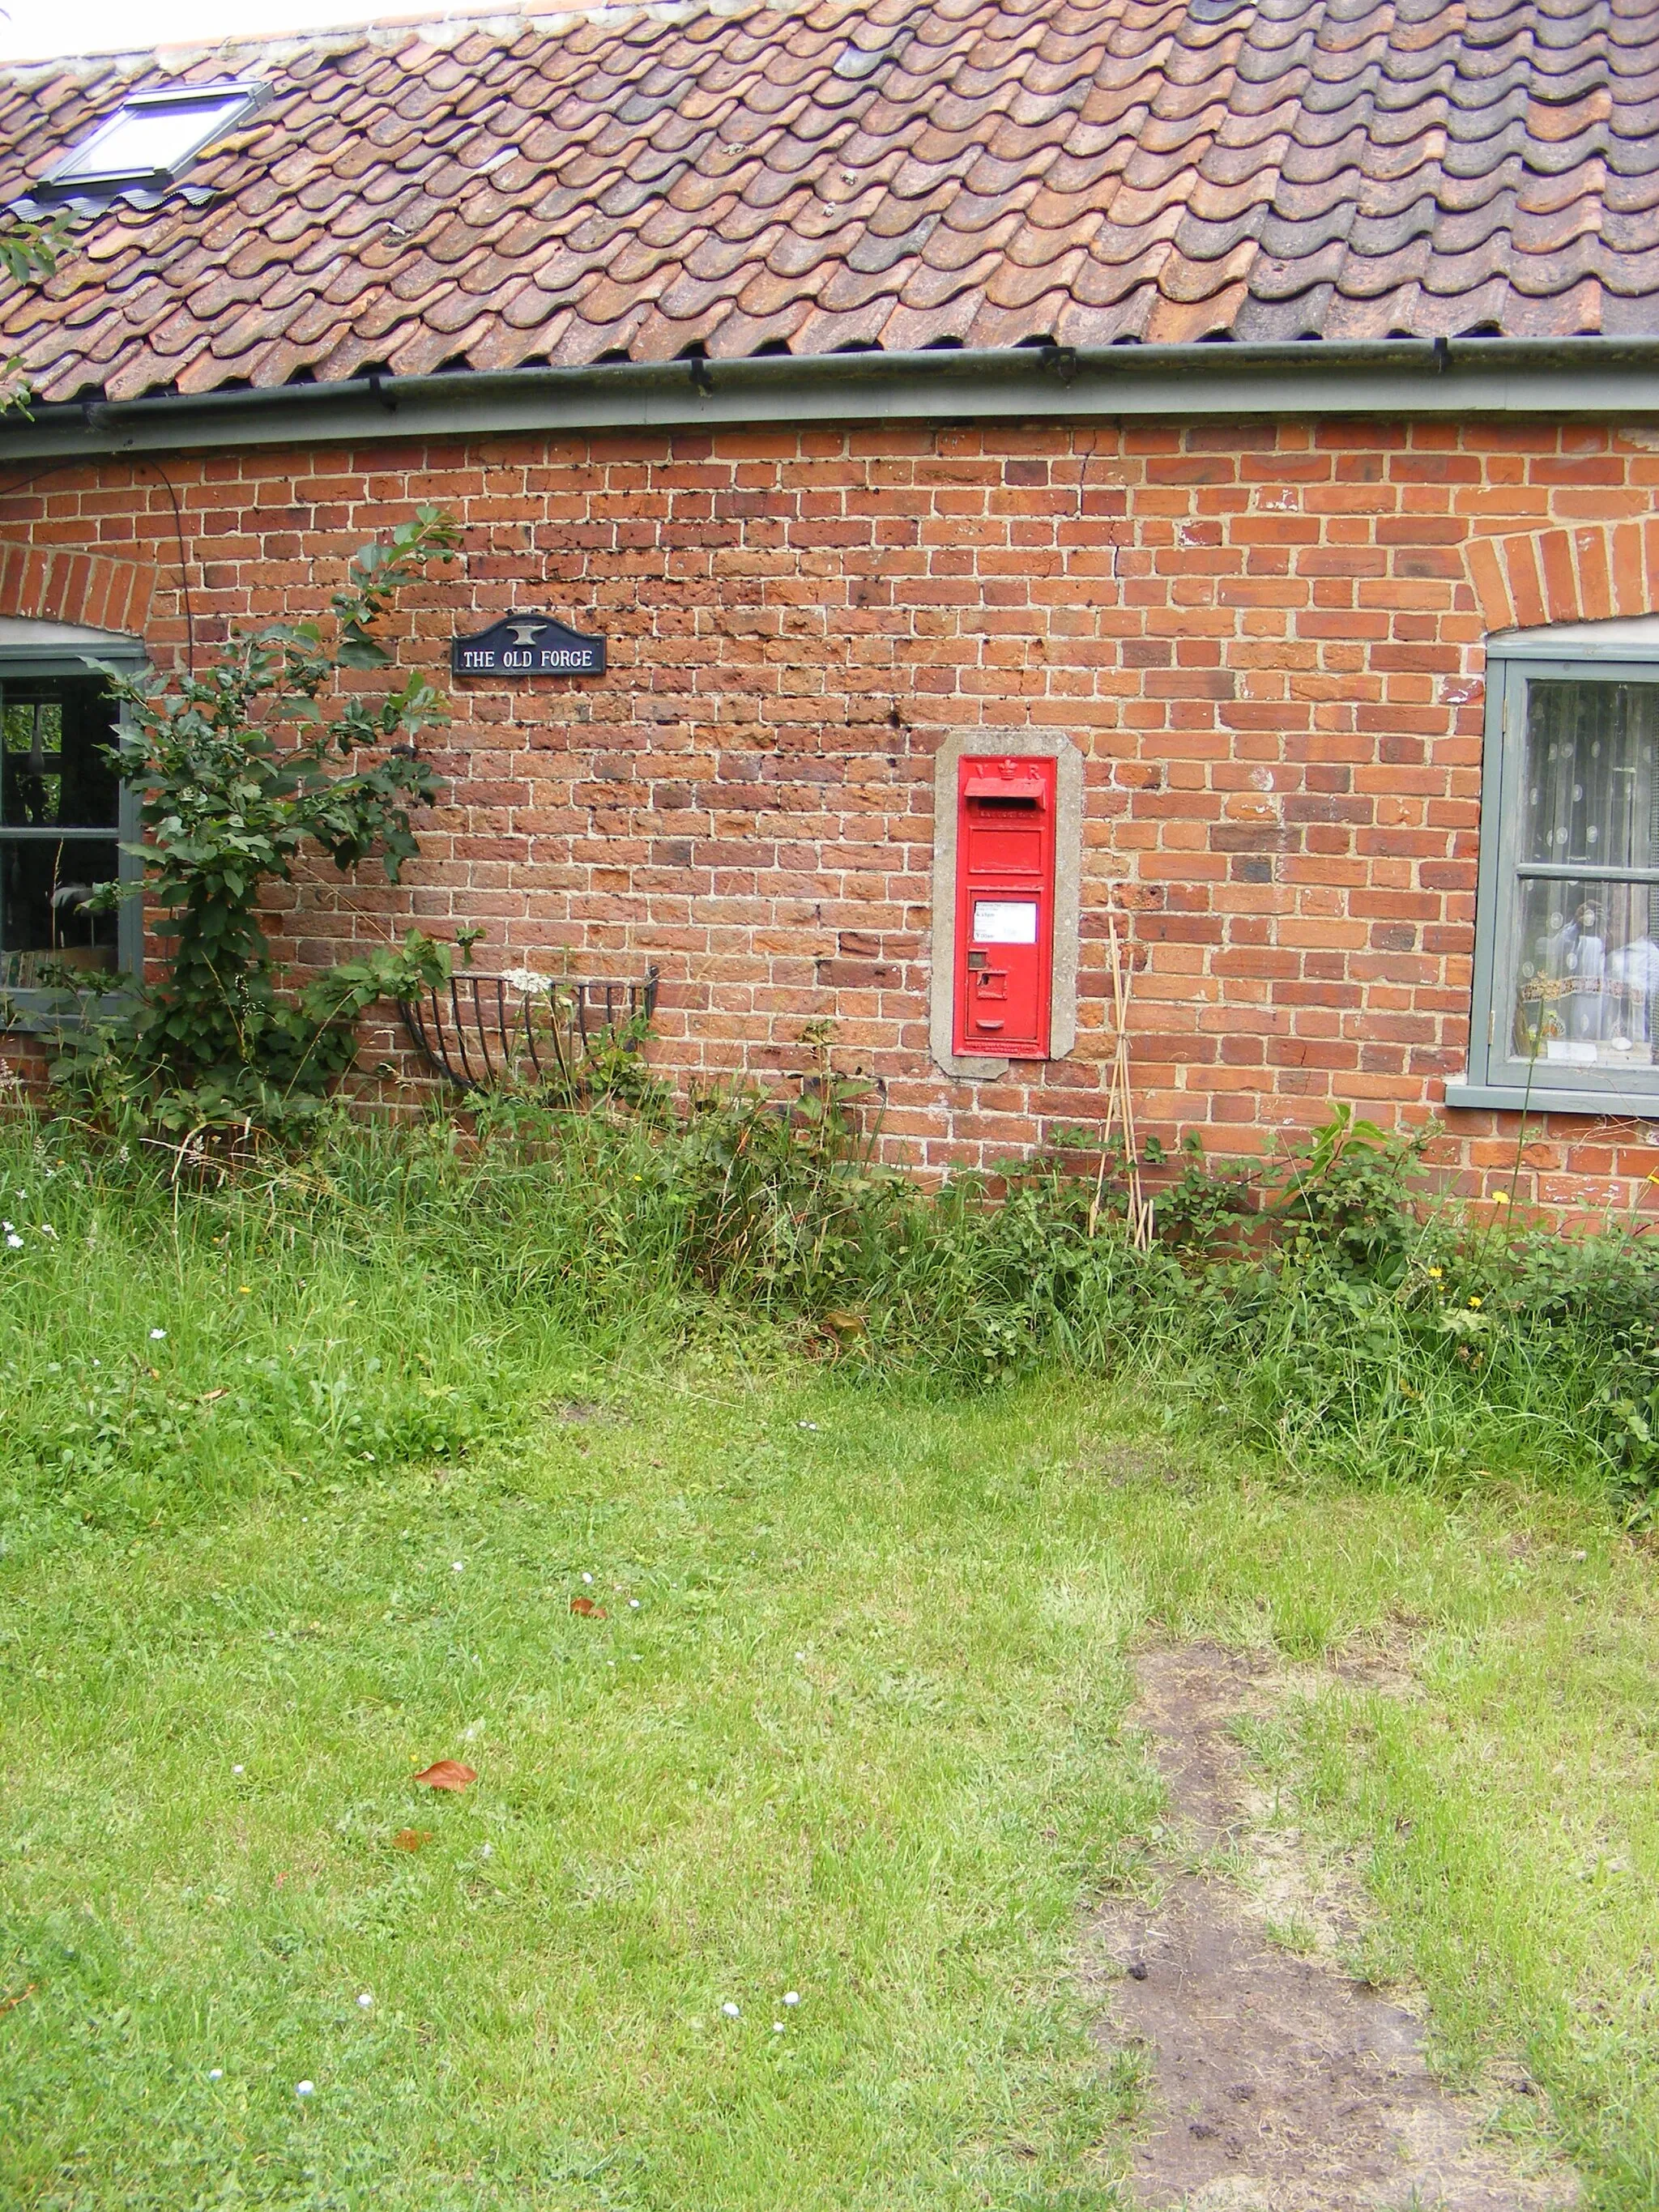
151 138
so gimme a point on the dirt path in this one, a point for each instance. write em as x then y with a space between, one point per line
1278 2084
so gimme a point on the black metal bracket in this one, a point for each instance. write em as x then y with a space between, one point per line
479 1031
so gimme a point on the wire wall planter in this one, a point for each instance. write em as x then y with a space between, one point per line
483 1031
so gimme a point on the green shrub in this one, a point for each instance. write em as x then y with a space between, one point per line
273 753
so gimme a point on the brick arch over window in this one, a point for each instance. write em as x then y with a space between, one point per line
55 584
1591 573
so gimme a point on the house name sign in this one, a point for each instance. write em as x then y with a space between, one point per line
527 645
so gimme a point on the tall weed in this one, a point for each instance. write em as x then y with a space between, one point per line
403 1292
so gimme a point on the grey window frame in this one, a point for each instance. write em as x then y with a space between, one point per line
33 1009
1612 653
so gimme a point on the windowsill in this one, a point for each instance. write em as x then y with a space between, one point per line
1546 1098
35 1012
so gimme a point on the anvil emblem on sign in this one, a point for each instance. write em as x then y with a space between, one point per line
520 646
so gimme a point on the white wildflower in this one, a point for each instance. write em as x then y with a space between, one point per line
215 2073
157 1335
366 2000
528 983
731 2010
14 1241
792 1996
305 2088
777 2027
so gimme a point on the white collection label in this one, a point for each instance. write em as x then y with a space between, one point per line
1005 921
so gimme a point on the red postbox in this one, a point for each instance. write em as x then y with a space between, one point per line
1005 918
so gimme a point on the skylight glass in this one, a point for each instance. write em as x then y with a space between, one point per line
152 135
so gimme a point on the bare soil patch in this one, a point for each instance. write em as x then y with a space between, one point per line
1277 2082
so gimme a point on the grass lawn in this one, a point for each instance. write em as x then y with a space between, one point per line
849 1728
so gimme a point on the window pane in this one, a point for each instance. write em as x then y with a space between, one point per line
1588 975
1586 951
48 934
53 771
1591 793
137 140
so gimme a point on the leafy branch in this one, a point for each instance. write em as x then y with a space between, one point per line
240 770
28 251
31 250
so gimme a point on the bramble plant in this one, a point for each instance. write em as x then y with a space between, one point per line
239 772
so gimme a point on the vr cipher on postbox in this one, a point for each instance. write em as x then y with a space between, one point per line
1005 918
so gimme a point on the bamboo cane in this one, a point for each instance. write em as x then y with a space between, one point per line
1120 1099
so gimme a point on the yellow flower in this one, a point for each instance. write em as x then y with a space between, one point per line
1435 1274
1500 1198
1475 1302
243 1291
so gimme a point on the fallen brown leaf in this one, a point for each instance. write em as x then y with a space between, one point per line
210 1397
585 1607
411 1839
10 2002
447 1774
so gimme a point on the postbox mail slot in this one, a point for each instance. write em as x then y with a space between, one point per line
1017 793
1003 954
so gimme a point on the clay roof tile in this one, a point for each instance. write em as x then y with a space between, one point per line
896 172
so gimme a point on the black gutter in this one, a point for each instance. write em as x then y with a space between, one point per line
1564 378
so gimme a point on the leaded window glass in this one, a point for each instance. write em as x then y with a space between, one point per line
66 817
60 802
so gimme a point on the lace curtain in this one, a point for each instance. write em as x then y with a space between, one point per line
1588 966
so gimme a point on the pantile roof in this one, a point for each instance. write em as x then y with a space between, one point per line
503 192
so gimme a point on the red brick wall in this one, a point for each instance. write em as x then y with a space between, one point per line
1266 641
